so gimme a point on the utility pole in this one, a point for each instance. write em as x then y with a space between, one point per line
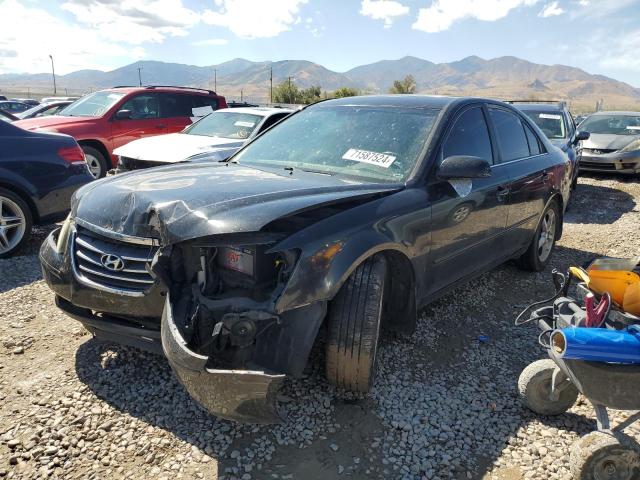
240 95
139 76
290 92
271 85
215 80
53 72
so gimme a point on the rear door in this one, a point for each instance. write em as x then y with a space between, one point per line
469 216
525 161
145 120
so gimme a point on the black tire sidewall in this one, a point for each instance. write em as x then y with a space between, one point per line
18 200
530 260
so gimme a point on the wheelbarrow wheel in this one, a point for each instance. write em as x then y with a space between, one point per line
605 456
534 386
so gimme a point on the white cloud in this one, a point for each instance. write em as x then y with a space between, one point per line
443 13
255 18
210 42
73 46
551 10
134 21
617 52
386 10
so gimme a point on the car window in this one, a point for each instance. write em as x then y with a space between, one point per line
550 122
511 136
469 136
534 143
225 124
613 124
176 105
200 101
93 105
272 120
142 106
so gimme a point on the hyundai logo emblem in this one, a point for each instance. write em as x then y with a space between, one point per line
112 262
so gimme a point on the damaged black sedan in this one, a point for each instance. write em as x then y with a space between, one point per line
348 217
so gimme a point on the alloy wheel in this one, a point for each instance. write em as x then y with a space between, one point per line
547 235
12 224
94 165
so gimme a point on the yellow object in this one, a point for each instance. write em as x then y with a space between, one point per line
615 282
580 274
631 300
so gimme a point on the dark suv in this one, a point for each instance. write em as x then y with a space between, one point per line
556 122
351 214
102 121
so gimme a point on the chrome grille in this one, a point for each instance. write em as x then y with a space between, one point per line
110 264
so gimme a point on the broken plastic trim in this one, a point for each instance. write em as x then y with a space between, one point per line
241 395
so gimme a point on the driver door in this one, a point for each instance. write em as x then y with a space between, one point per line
469 216
145 120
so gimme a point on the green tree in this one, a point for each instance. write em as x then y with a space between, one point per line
309 95
345 92
406 85
286 92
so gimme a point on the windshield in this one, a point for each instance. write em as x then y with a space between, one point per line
225 125
372 143
92 105
612 124
552 124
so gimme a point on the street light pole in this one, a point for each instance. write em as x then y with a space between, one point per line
215 80
139 76
53 72
290 92
271 85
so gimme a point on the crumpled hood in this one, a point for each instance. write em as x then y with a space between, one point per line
194 200
51 121
608 142
174 147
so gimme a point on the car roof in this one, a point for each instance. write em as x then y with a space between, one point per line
262 111
160 88
547 107
617 113
424 101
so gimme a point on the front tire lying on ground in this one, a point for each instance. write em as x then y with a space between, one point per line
354 327
539 252
15 223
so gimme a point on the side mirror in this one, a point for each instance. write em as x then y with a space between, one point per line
580 136
463 166
123 114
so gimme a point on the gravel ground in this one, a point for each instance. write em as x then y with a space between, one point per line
445 403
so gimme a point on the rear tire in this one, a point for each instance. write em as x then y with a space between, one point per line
605 455
354 327
95 161
541 247
15 223
534 386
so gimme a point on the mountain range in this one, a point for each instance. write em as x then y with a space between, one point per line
503 77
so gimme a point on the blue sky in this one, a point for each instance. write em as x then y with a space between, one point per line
600 36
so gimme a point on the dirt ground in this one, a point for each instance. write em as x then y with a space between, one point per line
445 404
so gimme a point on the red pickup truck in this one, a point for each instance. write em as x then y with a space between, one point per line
104 120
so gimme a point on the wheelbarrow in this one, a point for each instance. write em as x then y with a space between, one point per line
551 387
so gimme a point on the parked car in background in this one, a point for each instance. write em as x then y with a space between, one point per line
578 119
341 214
44 109
28 101
57 99
556 122
614 145
235 104
38 174
216 136
7 117
2 97
13 107
105 120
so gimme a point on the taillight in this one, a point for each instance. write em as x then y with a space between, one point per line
72 154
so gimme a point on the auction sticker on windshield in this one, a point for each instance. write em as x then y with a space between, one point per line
380 159
550 116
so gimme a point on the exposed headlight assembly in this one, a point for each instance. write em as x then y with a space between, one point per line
63 236
635 145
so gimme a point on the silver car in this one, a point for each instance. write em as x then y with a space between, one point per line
614 144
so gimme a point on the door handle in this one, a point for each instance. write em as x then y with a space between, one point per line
503 192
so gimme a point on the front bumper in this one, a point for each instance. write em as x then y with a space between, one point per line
625 163
58 272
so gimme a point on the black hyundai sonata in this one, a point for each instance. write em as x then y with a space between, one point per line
350 215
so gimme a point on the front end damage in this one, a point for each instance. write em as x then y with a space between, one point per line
221 332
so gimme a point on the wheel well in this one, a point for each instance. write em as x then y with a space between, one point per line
400 314
24 196
101 148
